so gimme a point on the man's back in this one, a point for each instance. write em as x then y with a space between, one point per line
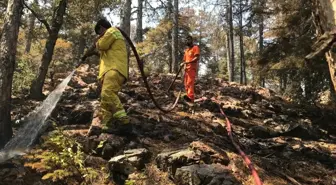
113 53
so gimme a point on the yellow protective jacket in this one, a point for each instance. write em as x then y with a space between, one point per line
113 53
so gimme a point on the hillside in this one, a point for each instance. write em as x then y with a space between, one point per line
288 143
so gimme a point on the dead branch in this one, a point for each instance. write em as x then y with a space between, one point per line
38 17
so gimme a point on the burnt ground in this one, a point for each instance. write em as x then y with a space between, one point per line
288 143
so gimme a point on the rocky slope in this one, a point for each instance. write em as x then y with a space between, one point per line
288 143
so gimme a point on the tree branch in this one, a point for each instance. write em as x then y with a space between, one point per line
3 4
152 8
38 17
323 44
163 4
153 51
134 11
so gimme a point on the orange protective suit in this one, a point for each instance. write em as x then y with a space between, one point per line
190 70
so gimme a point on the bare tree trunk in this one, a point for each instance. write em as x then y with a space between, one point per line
81 42
283 81
231 38
325 22
281 89
30 31
81 45
126 13
199 44
261 42
228 51
175 37
8 43
139 35
57 22
170 52
37 85
126 16
241 45
228 45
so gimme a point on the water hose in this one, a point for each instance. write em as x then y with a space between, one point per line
246 159
144 78
170 86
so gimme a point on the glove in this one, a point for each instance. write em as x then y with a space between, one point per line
182 64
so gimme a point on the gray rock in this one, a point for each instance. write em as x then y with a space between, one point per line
301 131
262 132
198 152
284 117
218 128
305 121
214 174
268 121
106 145
94 130
80 117
111 145
209 154
77 82
247 113
279 128
167 137
95 161
151 105
130 161
170 161
90 144
124 97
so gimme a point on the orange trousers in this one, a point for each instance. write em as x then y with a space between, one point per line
189 83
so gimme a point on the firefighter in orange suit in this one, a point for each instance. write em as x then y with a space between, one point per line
190 60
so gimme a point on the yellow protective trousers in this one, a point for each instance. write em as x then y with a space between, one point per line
111 107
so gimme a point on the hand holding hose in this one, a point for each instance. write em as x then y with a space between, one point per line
91 51
178 72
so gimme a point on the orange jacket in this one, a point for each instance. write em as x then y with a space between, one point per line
189 55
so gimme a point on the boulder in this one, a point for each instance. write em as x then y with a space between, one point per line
77 82
109 145
105 145
90 144
300 131
210 154
262 132
197 153
124 97
80 117
129 162
170 161
214 174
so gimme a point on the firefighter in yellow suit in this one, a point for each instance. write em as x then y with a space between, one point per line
113 73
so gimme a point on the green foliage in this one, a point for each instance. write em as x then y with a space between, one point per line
156 44
23 76
62 160
157 41
289 40
63 57
129 182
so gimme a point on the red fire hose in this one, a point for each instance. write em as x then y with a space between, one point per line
246 159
